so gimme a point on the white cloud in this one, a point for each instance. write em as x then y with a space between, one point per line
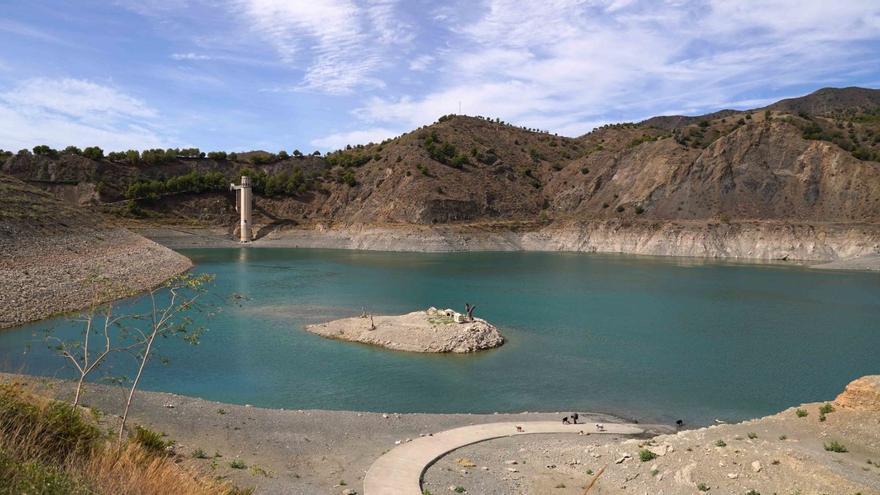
341 43
189 56
364 136
565 65
61 112
421 63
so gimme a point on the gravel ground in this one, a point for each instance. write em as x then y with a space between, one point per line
46 275
306 452
326 452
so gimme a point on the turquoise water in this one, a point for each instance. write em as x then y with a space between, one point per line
650 338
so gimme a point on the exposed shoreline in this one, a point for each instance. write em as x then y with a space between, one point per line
321 451
43 276
302 451
850 247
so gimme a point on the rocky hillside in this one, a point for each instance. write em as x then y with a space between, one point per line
810 161
59 258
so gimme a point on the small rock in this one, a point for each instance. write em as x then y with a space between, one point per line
169 405
732 476
349 491
511 463
397 442
485 468
513 470
385 416
622 458
756 466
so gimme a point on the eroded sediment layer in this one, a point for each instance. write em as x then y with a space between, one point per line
420 331
741 240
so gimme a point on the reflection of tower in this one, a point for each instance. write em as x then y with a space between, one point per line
243 202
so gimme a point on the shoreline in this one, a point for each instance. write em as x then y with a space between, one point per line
298 451
303 452
865 256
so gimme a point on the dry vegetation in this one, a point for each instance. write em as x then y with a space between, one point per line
49 447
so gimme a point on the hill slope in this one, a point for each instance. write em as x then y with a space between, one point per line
803 165
58 258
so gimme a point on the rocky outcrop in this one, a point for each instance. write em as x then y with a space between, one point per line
862 394
438 331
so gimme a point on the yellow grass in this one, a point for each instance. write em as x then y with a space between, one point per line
48 447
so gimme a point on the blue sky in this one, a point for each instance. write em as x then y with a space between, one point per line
318 74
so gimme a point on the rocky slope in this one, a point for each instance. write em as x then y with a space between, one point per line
58 258
797 179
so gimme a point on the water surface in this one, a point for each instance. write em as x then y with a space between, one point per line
651 338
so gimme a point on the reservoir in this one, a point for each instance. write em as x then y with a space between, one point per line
654 339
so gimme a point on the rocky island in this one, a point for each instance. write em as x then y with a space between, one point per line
432 330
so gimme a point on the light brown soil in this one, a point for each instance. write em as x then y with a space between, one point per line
419 331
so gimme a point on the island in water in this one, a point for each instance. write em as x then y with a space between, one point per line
432 330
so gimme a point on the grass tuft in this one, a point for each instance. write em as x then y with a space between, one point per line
646 455
835 446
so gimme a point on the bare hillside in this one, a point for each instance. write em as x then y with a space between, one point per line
57 258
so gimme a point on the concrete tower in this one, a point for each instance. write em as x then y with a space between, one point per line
243 202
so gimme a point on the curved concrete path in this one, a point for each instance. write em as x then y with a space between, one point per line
399 471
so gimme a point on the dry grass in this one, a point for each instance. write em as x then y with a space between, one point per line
47 447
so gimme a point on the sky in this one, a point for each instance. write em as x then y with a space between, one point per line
239 75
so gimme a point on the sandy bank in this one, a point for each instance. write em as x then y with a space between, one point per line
742 241
420 331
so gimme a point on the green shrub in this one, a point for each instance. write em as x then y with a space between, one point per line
801 413
703 487
60 430
199 454
826 409
150 440
752 435
646 455
720 443
32 477
237 464
835 446
459 489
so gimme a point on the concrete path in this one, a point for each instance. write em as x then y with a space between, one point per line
399 472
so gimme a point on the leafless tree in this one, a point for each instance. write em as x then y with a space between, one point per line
165 320
469 310
78 353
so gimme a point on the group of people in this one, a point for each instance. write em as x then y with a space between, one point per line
573 421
